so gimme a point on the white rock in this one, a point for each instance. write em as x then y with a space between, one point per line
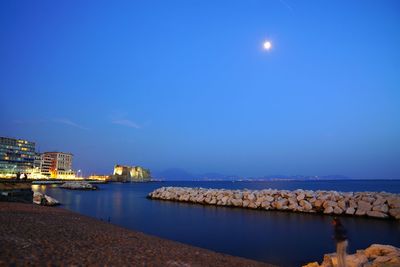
377 214
318 203
305 204
394 202
238 196
375 256
356 260
269 198
363 205
329 203
382 208
350 210
337 210
368 199
312 264
395 213
353 203
237 202
379 201
280 204
51 201
253 205
301 196
342 204
328 210
266 204
37 198
251 197
44 200
360 212
376 250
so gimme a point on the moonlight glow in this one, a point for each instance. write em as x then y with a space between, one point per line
267 45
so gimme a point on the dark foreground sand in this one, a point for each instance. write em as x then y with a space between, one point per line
36 235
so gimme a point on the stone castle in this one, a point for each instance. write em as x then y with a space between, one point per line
130 174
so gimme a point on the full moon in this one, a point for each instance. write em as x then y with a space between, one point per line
267 45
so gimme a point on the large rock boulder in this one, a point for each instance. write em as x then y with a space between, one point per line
44 200
266 205
337 210
394 202
281 204
301 196
342 204
237 202
382 208
363 205
329 203
395 213
374 256
377 250
328 210
376 214
350 211
306 205
269 198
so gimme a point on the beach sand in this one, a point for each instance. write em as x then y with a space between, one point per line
37 235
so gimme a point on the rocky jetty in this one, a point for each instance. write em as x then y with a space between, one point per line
376 255
78 186
44 200
371 204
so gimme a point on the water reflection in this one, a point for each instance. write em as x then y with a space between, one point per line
39 188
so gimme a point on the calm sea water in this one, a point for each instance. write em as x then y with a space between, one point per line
281 238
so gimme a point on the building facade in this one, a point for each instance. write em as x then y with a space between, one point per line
45 165
57 165
37 164
17 156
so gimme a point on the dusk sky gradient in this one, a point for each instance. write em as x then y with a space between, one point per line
186 84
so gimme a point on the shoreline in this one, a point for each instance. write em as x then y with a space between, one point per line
40 235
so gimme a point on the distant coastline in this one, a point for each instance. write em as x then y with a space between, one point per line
271 179
176 174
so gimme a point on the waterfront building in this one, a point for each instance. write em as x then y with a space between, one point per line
99 177
37 161
17 156
57 165
45 165
130 174
36 170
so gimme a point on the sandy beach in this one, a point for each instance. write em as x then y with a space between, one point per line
36 235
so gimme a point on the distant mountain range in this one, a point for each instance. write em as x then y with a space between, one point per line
176 174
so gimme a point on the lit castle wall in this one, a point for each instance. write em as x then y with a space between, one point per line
130 174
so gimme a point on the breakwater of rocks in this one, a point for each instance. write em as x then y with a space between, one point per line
375 255
79 185
371 204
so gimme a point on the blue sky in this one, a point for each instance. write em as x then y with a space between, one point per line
186 84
